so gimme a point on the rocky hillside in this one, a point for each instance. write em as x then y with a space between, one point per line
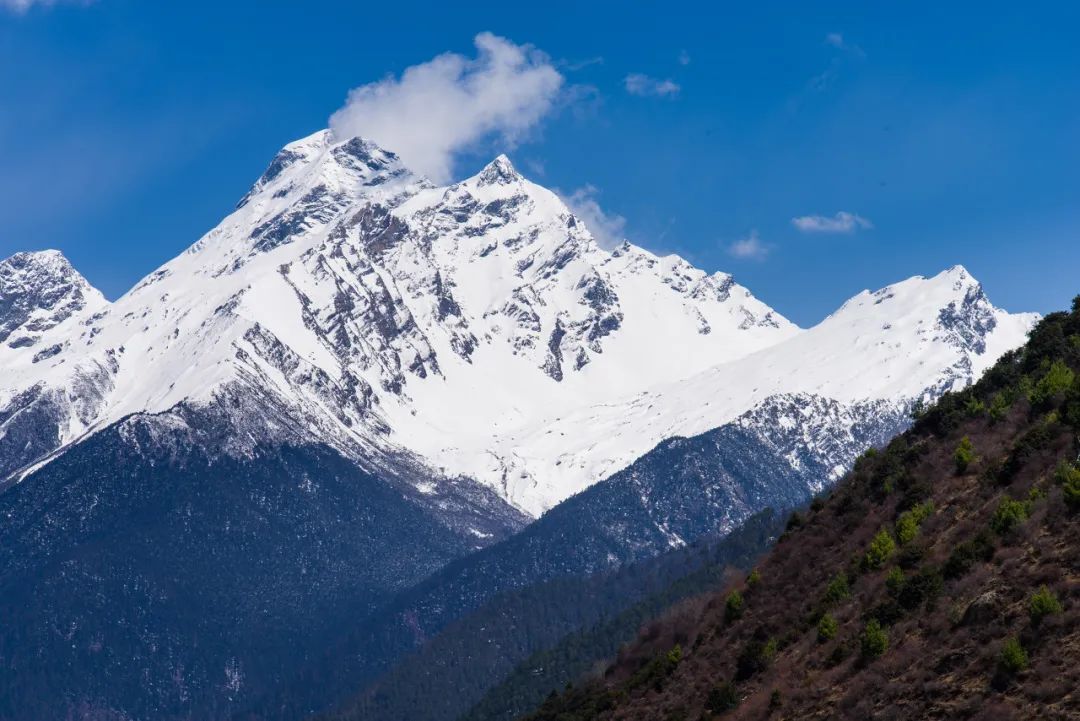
941 578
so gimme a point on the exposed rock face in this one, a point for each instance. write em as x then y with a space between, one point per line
39 291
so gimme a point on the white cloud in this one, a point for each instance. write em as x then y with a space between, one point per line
641 84
835 39
749 248
450 103
21 6
842 222
608 229
684 57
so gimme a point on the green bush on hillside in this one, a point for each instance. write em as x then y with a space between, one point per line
906 529
1068 475
1043 603
837 590
907 525
920 588
881 550
964 556
734 606
1013 658
999 406
974 407
1058 379
894 582
874 641
755 656
827 628
964 455
1009 515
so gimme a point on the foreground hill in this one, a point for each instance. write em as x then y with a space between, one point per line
941 579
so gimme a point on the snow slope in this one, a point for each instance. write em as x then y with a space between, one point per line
476 328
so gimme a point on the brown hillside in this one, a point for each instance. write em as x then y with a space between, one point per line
939 580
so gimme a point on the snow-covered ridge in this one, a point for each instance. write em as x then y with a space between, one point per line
477 327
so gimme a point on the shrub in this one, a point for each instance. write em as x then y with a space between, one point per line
755 656
907 526
1068 476
1013 657
874 641
1057 380
974 407
906 529
734 606
656 672
1071 410
895 581
999 406
923 587
837 590
964 455
1043 603
775 699
722 697
1071 492
1009 515
753 579
881 550
980 548
827 628
674 656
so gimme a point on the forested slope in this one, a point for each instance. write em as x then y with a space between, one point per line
941 579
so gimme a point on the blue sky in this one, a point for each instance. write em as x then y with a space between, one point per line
949 133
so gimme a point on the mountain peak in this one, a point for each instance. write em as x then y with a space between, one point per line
36 269
324 162
499 171
40 289
36 258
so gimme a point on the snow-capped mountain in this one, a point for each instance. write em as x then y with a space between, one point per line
477 328
310 423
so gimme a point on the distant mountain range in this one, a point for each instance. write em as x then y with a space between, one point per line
332 417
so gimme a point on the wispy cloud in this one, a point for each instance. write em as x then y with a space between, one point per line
574 65
21 6
645 86
449 104
843 52
749 248
608 229
684 57
842 222
837 40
